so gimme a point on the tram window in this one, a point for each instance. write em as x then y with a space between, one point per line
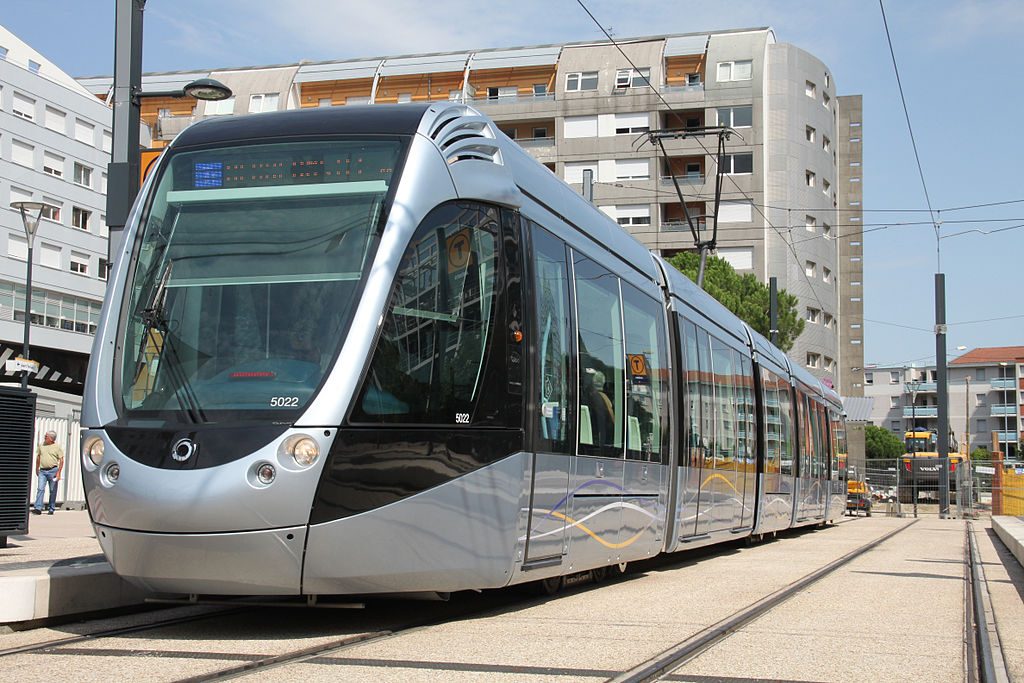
693 446
431 356
601 360
787 427
725 403
552 330
707 395
772 423
806 438
748 425
646 422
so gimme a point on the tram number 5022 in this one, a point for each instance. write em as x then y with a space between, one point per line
284 401
462 418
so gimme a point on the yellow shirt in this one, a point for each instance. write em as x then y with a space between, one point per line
50 455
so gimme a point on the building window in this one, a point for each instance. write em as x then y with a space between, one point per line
628 124
404 97
811 223
738 164
55 120
85 132
826 229
826 274
894 401
828 80
79 263
813 360
825 186
540 133
33 66
104 270
80 218
83 175
983 425
639 214
693 80
579 81
17 248
53 164
632 78
574 170
632 169
3 52
23 153
813 314
580 126
979 400
261 102
540 89
810 89
509 92
24 106
735 117
51 212
49 255
826 144
809 133
869 378
894 377
811 269
825 99
735 71
220 107
809 178
828 321
979 374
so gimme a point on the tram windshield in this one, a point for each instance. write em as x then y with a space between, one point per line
247 274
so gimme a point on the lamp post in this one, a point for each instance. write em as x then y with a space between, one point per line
123 170
30 212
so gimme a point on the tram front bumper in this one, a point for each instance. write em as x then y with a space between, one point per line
266 562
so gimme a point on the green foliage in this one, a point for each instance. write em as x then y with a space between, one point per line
745 296
881 443
981 453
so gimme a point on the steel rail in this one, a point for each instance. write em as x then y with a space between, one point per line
679 654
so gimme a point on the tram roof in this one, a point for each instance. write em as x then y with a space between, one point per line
376 119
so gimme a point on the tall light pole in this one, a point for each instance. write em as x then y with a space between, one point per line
30 212
123 175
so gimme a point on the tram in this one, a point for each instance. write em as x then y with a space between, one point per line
381 349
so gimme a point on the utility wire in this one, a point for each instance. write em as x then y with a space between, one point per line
913 141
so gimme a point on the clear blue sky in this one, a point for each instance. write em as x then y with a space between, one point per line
959 63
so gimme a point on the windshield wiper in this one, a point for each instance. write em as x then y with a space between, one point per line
154 320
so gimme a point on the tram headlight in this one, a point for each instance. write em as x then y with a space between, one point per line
113 472
302 449
266 473
94 449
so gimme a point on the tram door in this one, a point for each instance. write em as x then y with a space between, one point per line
552 462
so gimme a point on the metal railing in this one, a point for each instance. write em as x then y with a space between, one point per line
1004 383
920 411
685 179
699 87
533 143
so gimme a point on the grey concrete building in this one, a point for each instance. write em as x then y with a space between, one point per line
586 106
55 139
986 398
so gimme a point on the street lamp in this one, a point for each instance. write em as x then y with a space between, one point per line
30 212
912 387
123 170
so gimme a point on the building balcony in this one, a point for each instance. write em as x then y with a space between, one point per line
927 387
535 143
1006 437
681 226
168 127
920 412
670 89
1005 409
1004 383
508 99
686 179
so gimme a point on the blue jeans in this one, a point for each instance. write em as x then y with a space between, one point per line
47 477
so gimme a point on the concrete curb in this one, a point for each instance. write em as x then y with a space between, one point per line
64 590
1011 532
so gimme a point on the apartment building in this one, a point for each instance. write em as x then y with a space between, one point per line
986 398
55 140
793 159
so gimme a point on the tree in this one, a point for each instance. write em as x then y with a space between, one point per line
981 453
881 444
745 296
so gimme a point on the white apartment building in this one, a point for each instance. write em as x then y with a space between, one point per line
55 140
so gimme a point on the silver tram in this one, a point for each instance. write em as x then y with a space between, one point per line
382 350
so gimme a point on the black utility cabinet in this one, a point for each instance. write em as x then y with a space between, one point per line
17 423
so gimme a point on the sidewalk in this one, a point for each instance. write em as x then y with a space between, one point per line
57 569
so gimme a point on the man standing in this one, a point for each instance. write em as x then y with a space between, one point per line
49 465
